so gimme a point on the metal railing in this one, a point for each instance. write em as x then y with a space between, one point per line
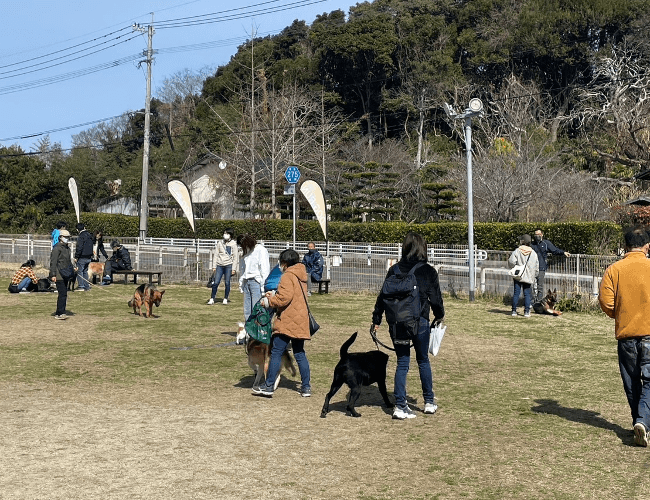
349 266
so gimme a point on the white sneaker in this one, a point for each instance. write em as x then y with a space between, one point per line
514 314
225 301
430 408
403 413
211 302
640 435
527 315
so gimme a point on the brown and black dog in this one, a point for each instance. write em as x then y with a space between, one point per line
259 355
147 296
547 305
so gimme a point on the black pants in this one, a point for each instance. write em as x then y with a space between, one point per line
113 265
62 288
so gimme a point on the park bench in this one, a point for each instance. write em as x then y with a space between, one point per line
325 283
135 273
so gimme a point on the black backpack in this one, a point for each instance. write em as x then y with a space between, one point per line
401 298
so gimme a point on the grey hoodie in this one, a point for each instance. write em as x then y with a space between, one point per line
520 257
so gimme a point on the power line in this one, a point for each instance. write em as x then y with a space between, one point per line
64 62
222 16
67 76
63 50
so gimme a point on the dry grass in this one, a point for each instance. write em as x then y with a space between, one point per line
105 405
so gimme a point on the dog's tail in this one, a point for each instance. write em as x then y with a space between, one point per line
346 345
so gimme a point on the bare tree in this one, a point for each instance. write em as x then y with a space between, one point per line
617 102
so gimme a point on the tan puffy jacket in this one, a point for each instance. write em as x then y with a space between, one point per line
292 317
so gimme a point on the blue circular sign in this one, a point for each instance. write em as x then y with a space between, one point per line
292 175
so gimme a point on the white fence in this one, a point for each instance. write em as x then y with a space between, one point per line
349 266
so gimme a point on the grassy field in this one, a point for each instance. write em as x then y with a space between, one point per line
111 405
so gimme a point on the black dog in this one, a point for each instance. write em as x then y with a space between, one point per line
357 370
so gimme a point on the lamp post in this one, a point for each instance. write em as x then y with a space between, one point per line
475 109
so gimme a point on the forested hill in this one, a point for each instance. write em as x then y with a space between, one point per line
356 100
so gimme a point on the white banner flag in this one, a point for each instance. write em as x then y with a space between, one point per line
72 185
314 194
181 194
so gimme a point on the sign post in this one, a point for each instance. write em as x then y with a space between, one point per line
292 175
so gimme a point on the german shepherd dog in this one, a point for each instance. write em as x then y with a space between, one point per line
547 305
147 296
259 355
356 370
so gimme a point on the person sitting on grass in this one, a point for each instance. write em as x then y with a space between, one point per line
24 280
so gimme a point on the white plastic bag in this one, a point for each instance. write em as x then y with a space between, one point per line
436 338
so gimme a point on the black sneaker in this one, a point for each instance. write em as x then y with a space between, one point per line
305 392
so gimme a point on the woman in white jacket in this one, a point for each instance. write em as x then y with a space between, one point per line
224 263
525 256
254 267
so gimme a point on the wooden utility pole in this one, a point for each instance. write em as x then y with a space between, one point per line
144 204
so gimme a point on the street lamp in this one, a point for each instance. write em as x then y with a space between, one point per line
474 109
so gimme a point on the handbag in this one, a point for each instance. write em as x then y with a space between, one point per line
435 338
313 325
68 273
518 271
210 281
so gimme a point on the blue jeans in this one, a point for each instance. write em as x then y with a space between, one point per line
403 352
82 272
515 296
634 364
252 295
279 344
226 273
24 283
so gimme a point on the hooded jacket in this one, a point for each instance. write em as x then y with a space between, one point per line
625 295
59 259
520 257
84 248
290 300
226 254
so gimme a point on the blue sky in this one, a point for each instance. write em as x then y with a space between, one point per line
43 90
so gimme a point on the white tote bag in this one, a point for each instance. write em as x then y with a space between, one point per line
436 338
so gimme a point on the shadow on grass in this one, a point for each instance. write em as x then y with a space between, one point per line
552 407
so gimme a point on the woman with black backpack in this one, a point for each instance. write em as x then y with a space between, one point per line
413 263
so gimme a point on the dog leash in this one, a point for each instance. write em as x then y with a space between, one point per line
234 342
377 341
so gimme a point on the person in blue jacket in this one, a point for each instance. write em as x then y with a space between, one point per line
542 248
313 262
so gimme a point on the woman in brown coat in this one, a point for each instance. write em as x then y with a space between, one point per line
291 323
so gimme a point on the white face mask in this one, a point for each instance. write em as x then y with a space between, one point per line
226 236
64 239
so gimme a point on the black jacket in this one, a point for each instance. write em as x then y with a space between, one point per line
429 286
122 257
543 248
59 259
84 248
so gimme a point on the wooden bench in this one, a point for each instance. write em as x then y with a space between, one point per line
135 273
322 283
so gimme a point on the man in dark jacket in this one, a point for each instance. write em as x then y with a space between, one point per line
542 247
60 261
83 254
313 262
119 261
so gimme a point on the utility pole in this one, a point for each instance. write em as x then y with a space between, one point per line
144 204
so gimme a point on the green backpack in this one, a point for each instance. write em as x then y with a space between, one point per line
259 324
